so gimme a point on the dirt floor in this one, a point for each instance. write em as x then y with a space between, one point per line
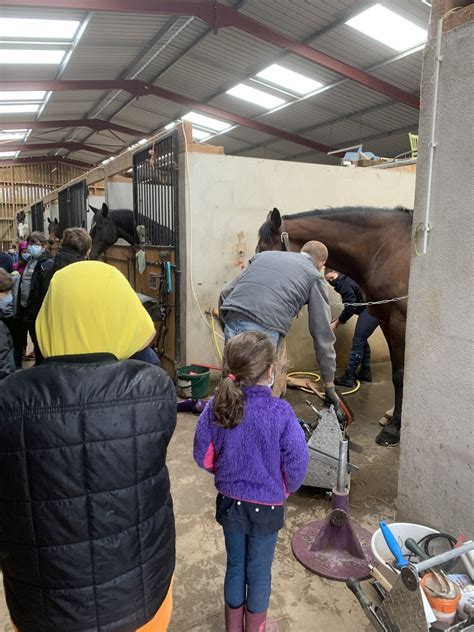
301 601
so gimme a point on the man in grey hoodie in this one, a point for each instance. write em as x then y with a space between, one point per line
272 290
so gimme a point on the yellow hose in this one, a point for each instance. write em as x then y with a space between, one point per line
214 338
316 378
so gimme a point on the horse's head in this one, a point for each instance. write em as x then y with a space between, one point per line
269 235
104 231
54 230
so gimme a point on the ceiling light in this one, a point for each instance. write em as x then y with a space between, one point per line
289 79
45 29
142 141
170 126
30 56
388 27
200 134
32 95
241 91
12 136
206 121
8 154
19 109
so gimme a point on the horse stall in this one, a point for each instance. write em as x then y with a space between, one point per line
225 199
152 193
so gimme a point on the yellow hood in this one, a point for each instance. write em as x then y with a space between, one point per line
91 308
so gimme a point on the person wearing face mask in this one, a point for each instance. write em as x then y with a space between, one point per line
23 257
9 290
7 312
254 446
34 284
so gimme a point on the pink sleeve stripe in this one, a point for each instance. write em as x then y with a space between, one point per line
210 457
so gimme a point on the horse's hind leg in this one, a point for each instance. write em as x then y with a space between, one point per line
395 332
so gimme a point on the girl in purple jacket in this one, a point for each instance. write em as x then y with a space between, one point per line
254 446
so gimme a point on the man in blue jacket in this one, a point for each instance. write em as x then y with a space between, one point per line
366 325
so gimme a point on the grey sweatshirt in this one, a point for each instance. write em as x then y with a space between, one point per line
273 289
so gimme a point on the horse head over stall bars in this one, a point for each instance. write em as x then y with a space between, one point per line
110 225
372 246
54 229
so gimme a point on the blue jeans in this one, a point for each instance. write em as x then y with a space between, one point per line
234 327
248 577
360 350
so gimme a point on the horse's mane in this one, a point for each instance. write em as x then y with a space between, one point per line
124 219
348 213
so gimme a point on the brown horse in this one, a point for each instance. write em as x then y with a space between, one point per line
372 246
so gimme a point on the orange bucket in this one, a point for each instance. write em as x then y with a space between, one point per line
443 609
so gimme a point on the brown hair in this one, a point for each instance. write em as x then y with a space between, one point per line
246 358
77 239
6 281
36 236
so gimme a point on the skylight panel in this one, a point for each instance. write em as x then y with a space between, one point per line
265 100
30 56
288 79
31 95
4 136
200 134
44 29
389 28
19 109
8 154
206 121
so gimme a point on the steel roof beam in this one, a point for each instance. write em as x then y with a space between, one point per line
140 88
95 124
31 160
53 145
220 16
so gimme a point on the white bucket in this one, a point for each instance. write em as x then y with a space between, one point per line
401 531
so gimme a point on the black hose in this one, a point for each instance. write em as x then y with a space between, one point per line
431 537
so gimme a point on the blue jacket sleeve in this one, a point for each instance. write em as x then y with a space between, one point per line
204 450
293 452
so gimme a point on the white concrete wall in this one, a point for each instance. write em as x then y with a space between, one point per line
120 195
436 482
226 200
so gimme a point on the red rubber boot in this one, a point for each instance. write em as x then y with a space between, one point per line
259 622
234 619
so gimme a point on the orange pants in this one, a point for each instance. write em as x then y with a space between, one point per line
161 620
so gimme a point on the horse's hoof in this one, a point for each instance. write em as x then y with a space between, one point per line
388 439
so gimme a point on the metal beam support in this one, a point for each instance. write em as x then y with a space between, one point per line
361 141
95 124
220 16
53 145
140 88
33 160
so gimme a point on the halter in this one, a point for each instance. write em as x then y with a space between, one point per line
284 237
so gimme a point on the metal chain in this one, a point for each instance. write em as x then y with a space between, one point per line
387 300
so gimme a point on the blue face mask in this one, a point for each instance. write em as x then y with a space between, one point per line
25 256
6 305
35 250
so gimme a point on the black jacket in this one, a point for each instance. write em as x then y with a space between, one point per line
87 539
7 361
350 293
39 285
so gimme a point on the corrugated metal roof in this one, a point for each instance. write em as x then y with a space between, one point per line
190 59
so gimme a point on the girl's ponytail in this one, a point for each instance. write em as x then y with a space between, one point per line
246 359
229 403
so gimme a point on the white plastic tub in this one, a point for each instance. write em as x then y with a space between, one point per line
401 531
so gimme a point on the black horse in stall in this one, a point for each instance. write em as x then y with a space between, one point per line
110 225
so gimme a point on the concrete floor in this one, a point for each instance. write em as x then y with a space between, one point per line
301 601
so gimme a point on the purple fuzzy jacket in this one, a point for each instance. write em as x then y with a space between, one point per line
261 460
